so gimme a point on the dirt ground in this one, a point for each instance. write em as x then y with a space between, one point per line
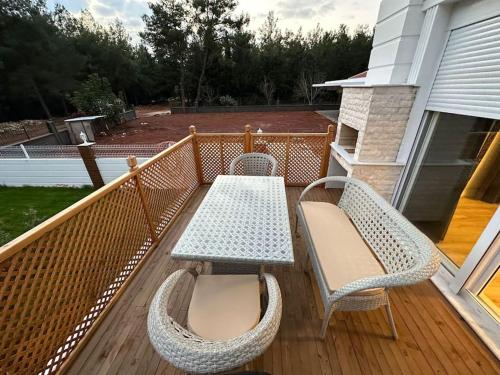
154 124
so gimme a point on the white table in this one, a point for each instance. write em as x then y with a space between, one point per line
242 219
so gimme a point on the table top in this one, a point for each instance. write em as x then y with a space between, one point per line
242 219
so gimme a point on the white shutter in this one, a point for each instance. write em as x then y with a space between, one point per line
468 79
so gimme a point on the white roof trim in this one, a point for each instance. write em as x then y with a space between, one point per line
343 83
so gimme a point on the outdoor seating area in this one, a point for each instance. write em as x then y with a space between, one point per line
188 263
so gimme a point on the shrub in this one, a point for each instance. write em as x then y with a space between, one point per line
227 100
95 97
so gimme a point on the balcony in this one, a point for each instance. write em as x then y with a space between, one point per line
75 290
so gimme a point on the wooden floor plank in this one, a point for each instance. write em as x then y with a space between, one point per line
433 338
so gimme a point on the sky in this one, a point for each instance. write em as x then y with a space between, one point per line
292 14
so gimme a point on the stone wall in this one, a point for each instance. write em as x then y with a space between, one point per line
355 106
380 114
388 115
382 178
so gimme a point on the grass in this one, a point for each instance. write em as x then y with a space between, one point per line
22 208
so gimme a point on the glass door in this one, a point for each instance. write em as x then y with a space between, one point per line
451 191
454 187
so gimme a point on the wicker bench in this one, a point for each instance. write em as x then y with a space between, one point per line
361 248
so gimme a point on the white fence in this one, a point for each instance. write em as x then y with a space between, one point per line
58 172
62 165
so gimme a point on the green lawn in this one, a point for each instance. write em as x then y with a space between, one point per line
21 208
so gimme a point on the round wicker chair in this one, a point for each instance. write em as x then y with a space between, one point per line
254 164
192 353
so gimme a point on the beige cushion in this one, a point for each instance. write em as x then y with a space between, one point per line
224 306
343 255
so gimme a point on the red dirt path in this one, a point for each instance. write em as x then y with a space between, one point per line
175 127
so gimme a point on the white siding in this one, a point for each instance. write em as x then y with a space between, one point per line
58 172
43 172
396 36
468 79
112 168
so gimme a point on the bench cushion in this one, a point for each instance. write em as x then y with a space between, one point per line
342 254
224 306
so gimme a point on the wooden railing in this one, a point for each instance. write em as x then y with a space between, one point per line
58 280
302 157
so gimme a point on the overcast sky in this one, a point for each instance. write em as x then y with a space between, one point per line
292 14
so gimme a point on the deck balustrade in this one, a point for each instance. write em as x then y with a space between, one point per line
58 280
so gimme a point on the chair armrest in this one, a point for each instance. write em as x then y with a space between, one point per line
396 279
322 181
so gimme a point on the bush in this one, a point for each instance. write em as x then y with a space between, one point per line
227 100
95 97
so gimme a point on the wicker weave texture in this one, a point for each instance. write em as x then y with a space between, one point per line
55 286
254 164
194 354
407 255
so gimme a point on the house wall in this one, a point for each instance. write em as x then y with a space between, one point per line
397 31
441 16
58 172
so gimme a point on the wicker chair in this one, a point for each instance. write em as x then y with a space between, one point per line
406 254
192 353
255 164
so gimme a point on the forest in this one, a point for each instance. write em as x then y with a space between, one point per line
190 52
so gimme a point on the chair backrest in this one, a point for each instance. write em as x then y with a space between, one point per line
399 245
254 164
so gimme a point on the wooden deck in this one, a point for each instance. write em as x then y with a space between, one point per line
433 338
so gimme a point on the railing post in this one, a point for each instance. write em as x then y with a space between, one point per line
132 163
287 159
88 158
26 155
247 148
326 152
197 156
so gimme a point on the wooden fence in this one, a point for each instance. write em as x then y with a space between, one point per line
58 280
302 157
11 132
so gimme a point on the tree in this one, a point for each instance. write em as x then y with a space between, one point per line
168 31
272 58
197 49
305 87
212 20
45 65
268 89
95 97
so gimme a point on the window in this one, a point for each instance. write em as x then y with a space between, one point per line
456 183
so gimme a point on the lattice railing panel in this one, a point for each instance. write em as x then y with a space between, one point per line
217 152
53 289
299 157
305 159
168 183
276 146
58 279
